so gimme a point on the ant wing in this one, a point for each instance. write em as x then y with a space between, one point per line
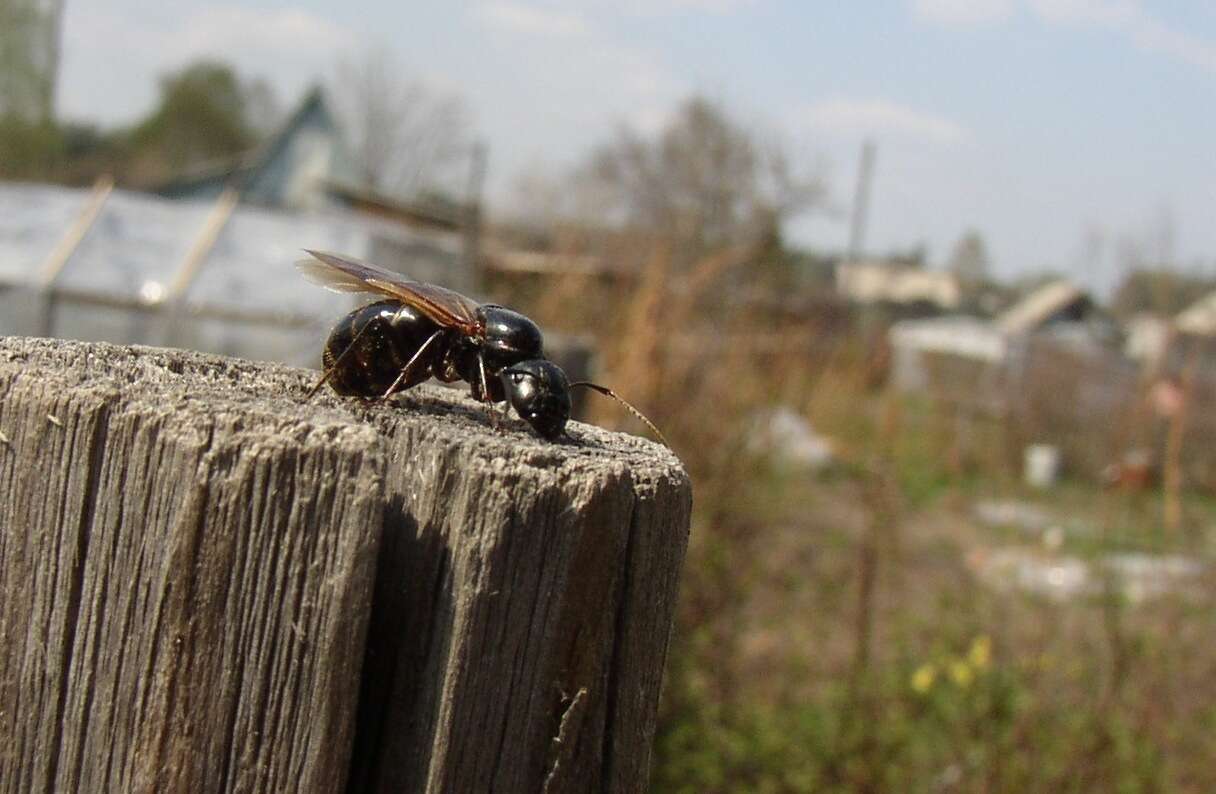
344 274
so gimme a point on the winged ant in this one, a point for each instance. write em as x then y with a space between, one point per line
419 331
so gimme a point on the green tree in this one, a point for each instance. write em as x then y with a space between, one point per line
202 115
30 145
28 149
29 59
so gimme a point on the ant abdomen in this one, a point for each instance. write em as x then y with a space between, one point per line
369 348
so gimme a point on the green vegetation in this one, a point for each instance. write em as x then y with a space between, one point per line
837 629
205 112
201 116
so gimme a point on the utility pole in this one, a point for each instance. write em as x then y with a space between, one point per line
861 202
473 216
29 58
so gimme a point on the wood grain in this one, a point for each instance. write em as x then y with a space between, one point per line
209 585
184 588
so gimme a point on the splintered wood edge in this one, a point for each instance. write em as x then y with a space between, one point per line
194 382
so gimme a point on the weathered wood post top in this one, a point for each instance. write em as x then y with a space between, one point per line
209 584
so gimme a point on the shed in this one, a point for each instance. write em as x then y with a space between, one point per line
1198 319
307 166
881 282
966 338
293 169
1059 301
1059 310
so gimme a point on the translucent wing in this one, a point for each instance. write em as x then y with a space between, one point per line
344 274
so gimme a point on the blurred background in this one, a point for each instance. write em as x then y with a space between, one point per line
923 292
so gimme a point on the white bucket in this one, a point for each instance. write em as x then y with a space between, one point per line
1041 465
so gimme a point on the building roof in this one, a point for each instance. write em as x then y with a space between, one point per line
547 263
1040 307
427 212
305 165
880 282
1199 318
291 169
960 335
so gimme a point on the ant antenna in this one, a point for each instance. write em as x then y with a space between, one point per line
607 392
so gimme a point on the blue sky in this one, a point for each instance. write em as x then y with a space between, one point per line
1063 130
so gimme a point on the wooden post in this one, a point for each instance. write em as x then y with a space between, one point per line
207 584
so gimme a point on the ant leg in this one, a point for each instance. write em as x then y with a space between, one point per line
405 371
333 368
485 393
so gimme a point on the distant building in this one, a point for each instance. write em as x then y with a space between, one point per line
1057 302
882 282
149 270
513 261
1186 343
306 167
1198 319
1059 311
914 342
206 262
1147 338
295 169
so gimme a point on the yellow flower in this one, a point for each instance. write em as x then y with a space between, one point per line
980 654
923 678
962 673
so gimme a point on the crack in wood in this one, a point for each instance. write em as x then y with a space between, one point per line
563 737
209 584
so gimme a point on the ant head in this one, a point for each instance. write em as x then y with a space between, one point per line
540 394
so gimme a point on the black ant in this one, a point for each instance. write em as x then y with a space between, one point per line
420 331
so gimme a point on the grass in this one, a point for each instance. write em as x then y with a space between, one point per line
831 634
1096 522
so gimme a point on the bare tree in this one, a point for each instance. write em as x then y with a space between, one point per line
969 261
705 181
263 112
407 136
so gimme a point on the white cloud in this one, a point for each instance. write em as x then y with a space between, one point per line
631 83
856 117
704 6
1129 18
1154 36
1105 12
1125 17
531 20
235 29
963 13
658 8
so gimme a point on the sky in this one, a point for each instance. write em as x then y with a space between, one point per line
1060 130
